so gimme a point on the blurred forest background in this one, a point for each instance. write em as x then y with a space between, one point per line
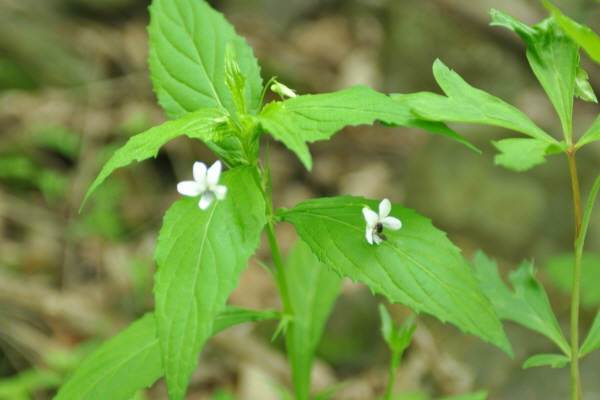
74 86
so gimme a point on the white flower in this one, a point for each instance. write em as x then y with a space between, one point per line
376 222
205 183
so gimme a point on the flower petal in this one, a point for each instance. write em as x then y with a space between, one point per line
205 200
377 239
369 234
391 223
199 170
220 191
371 217
189 188
384 208
213 175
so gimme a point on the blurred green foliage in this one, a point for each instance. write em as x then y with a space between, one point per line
560 270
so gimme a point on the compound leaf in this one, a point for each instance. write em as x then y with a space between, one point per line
583 35
552 360
464 103
520 154
554 59
527 305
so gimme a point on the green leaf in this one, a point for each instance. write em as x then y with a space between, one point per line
592 340
520 154
583 35
554 59
553 360
583 89
188 41
313 290
206 125
200 255
397 339
417 266
233 315
230 150
235 81
528 305
131 359
468 104
122 365
309 118
592 134
389 329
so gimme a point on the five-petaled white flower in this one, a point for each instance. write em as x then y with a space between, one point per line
205 183
376 222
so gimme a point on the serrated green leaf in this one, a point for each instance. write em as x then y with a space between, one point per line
188 41
554 59
131 359
520 154
417 266
122 365
313 290
464 103
205 124
200 255
592 134
235 81
528 305
583 35
309 118
552 360
592 340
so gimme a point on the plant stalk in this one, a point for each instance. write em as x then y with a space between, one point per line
575 299
394 364
279 268
275 253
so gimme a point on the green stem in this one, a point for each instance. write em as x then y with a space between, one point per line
279 268
394 364
275 253
302 392
575 382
